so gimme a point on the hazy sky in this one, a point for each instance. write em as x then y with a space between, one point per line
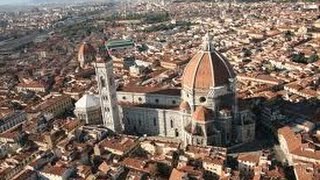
13 2
30 2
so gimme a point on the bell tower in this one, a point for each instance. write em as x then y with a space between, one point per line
107 91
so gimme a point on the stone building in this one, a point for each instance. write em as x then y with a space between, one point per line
88 109
12 120
55 106
203 112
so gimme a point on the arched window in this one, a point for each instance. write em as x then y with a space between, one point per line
155 121
157 101
198 141
177 133
103 82
174 102
110 81
171 123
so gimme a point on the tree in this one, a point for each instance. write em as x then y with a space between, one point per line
143 47
299 58
288 35
313 58
247 53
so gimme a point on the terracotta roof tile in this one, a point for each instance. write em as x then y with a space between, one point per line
177 175
293 141
184 106
249 157
201 114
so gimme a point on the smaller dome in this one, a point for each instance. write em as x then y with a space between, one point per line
201 114
86 48
88 101
184 106
86 54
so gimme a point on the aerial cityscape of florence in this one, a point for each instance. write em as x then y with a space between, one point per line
159 90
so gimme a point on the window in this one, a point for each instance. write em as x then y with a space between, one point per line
157 101
124 98
177 134
198 141
154 121
103 82
128 121
171 123
174 102
202 99
139 99
110 81
139 122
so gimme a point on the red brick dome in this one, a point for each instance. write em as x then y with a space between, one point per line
86 49
208 68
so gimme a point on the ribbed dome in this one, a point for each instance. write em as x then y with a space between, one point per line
207 69
86 48
201 114
184 106
86 54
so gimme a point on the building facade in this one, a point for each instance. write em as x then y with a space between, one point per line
203 112
11 120
88 109
56 105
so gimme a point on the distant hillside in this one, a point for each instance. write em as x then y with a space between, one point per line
67 1
35 2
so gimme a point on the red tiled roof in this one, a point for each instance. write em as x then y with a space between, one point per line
293 141
119 144
249 157
184 106
201 114
177 175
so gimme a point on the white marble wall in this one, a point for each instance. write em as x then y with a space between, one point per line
152 121
143 98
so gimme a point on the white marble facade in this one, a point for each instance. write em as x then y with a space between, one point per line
203 112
